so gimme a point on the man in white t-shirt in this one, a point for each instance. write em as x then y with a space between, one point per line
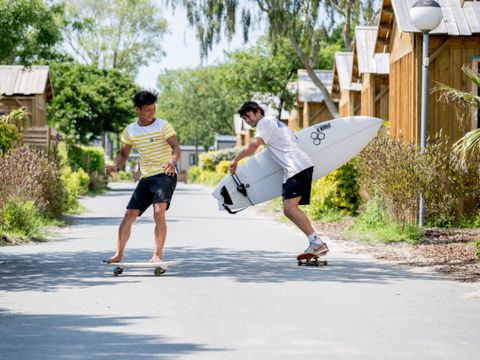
296 164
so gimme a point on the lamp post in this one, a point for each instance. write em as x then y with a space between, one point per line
425 15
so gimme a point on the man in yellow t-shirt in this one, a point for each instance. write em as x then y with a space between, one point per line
156 143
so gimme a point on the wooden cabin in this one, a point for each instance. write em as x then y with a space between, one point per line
311 107
343 89
371 70
32 88
455 42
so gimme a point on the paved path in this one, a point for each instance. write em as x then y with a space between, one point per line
238 295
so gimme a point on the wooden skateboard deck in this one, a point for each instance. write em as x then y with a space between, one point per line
311 259
159 267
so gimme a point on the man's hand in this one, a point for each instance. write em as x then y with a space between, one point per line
111 169
233 167
170 168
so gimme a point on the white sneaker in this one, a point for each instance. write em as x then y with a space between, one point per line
317 249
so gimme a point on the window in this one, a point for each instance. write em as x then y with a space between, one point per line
191 159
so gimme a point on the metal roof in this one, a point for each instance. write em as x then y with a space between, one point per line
343 69
19 80
307 90
456 20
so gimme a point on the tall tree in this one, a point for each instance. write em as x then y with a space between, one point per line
115 34
29 29
90 101
303 22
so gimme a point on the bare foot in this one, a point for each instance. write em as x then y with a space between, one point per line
113 259
155 259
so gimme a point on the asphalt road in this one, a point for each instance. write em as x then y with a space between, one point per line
238 295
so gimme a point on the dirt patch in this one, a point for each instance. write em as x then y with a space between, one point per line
450 252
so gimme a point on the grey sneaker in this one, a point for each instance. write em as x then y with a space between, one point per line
317 249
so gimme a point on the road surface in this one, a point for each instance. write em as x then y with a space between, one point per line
238 295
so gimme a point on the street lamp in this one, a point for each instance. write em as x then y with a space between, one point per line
425 15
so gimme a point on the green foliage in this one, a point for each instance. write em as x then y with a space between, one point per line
116 34
205 161
28 30
197 175
196 104
222 167
477 246
400 171
336 193
20 218
89 158
9 136
89 102
30 174
193 174
76 183
374 224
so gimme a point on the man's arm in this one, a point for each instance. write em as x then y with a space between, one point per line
122 158
170 166
249 150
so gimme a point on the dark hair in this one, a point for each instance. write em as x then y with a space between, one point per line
142 98
250 106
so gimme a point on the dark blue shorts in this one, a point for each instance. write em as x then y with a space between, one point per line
153 189
299 185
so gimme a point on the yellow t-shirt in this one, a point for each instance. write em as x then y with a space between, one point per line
151 144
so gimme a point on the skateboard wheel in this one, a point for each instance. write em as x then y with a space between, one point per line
117 271
158 271
299 263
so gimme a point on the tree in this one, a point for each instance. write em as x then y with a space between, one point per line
467 103
29 30
194 101
90 101
115 34
302 22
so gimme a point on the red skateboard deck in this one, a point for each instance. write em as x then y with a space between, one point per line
310 259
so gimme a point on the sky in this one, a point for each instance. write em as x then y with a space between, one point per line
182 49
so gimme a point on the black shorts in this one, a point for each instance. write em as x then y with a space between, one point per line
153 189
299 185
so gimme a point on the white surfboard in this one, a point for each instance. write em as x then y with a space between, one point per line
329 144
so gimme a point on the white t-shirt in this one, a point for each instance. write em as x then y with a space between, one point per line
283 144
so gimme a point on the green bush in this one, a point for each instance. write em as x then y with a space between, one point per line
31 174
477 245
20 218
401 172
205 161
89 158
193 174
222 167
335 194
76 183
9 136
375 224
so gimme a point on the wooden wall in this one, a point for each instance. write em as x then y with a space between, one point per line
313 113
36 107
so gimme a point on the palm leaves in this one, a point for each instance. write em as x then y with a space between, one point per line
17 117
470 142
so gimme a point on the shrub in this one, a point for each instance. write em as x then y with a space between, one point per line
222 167
337 193
193 174
89 158
205 161
30 174
375 224
401 172
9 136
20 218
477 246
76 183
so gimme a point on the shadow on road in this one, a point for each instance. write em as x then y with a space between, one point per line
68 337
64 269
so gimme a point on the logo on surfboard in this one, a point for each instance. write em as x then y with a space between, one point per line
318 135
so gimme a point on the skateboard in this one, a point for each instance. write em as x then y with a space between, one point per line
158 268
311 259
